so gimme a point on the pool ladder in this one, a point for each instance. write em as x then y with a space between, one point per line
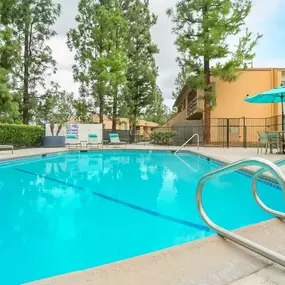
190 139
265 165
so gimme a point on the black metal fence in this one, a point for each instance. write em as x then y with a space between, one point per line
125 135
224 132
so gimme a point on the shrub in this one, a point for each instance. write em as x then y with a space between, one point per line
21 135
161 137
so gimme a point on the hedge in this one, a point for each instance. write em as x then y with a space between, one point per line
162 137
21 135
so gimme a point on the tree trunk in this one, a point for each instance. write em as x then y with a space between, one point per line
134 125
101 109
115 110
207 74
26 95
207 103
59 129
52 128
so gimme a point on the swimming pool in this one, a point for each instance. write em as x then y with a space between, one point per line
72 211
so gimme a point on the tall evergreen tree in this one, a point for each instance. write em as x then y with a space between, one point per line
203 28
99 42
141 70
34 21
157 112
180 81
9 51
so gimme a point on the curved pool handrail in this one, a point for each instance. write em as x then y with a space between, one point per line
255 177
198 143
266 165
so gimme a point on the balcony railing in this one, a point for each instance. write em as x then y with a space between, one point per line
192 106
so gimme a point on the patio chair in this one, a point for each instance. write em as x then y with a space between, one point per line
115 140
93 140
7 147
262 141
273 141
281 142
72 140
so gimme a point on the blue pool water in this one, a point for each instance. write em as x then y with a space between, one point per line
68 212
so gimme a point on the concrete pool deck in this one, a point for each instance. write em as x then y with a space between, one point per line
209 261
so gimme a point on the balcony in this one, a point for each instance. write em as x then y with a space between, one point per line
194 107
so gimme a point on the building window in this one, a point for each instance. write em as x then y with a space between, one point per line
283 83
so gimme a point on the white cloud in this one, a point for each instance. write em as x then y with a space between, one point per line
61 53
64 58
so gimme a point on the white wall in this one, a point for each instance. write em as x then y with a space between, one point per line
85 129
82 130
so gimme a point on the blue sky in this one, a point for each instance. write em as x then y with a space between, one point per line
267 17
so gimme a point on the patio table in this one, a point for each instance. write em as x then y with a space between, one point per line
281 140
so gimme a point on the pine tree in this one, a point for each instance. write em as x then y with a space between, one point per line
34 20
180 81
99 42
203 28
141 70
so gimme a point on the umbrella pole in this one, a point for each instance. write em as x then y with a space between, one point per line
282 117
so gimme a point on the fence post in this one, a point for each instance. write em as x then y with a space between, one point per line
228 133
244 134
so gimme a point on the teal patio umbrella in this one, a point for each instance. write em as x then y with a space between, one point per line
275 95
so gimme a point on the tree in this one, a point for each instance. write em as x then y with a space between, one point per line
83 110
157 112
141 70
34 20
118 58
203 29
9 51
99 43
180 82
55 107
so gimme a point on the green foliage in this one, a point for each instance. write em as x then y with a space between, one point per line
9 50
21 135
9 108
55 107
99 42
180 82
83 110
34 20
157 112
204 29
161 137
141 70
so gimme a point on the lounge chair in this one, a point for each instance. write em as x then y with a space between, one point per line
72 140
7 147
93 140
115 140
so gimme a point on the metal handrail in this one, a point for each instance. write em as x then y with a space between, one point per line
255 178
277 174
198 143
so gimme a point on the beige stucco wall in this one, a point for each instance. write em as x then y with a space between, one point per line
230 96
181 116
